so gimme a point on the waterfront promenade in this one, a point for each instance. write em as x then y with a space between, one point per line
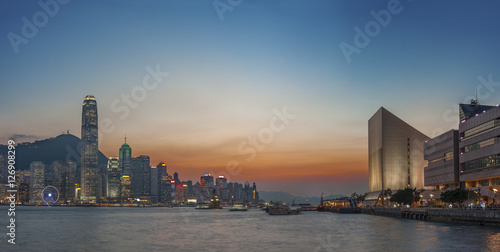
455 215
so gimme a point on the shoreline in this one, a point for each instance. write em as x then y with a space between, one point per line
458 216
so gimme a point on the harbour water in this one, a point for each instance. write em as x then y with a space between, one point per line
187 229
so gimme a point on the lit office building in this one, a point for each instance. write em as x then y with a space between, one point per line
221 184
154 185
125 159
396 153
157 175
90 186
140 179
206 187
207 180
125 191
479 145
221 181
441 154
37 182
64 179
180 193
113 178
255 194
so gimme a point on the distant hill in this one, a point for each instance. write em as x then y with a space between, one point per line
62 147
288 198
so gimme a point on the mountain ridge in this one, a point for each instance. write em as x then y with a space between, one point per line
289 198
62 147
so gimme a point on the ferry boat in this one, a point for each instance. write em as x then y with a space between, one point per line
202 207
282 210
238 207
214 203
307 207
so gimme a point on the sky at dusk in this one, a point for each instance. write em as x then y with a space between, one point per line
193 85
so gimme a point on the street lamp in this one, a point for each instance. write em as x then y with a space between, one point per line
495 191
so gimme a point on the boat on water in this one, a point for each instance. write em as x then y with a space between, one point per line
213 204
202 207
282 210
307 207
238 207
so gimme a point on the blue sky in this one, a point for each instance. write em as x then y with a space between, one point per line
226 77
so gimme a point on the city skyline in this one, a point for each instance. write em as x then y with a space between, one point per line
220 82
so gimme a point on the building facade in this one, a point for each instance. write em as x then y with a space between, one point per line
64 179
207 180
125 191
396 153
37 182
154 184
90 186
113 178
442 156
125 159
140 178
479 132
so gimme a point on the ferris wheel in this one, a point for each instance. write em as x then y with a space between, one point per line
50 195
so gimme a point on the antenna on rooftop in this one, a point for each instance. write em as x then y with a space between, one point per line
475 101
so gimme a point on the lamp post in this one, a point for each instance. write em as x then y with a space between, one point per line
495 191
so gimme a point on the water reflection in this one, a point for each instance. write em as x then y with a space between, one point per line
175 229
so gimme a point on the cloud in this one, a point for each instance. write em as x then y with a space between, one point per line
18 138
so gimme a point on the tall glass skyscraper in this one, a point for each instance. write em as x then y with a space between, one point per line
126 159
89 166
113 178
140 180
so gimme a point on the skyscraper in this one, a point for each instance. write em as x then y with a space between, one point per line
89 167
154 185
207 180
113 178
64 179
140 180
221 181
37 182
126 159
221 184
